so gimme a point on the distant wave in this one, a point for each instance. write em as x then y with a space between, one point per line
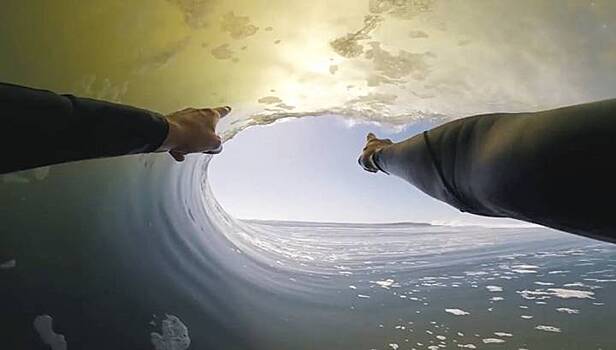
327 223
455 223
435 223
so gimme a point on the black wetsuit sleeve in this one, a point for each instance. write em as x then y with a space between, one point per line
554 168
413 160
42 128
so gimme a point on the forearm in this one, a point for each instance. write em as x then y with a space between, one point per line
411 161
547 167
43 128
519 165
443 162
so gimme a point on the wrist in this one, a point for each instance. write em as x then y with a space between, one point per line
375 159
170 141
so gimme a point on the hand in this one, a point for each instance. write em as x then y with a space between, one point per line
193 130
372 145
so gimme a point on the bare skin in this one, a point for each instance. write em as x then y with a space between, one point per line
193 130
373 144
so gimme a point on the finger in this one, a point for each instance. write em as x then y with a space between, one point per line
370 137
216 146
178 156
221 112
213 115
360 160
215 150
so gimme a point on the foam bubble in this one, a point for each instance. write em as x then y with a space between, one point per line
525 267
269 100
238 27
571 293
548 328
494 288
597 280
174 335
503 334
43 325
493 341
388 283
567 310
557 292
8 264
222 52
348 46
457 312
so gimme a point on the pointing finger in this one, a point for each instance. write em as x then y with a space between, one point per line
213 115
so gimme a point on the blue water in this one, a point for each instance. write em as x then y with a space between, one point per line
135 253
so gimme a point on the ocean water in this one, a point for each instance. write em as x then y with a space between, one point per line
149 260
135 252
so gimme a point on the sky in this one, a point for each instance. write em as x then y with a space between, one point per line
306 169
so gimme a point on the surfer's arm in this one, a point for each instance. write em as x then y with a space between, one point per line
548 167
42 128
425 160
411 161
465 162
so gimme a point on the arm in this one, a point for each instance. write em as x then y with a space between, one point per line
553 168
426 161
460 162
411 160
43 128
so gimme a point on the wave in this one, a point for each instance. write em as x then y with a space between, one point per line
145 245
140 255
363 270
245 120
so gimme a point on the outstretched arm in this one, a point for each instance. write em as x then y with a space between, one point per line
552 168
42 128
409 160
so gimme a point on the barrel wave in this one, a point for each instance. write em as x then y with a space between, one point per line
137 253
150 260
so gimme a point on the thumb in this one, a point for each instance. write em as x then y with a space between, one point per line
179 157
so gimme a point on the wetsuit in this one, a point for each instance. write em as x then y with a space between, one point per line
556 168
42 128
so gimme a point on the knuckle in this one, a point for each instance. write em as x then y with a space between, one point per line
209 112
